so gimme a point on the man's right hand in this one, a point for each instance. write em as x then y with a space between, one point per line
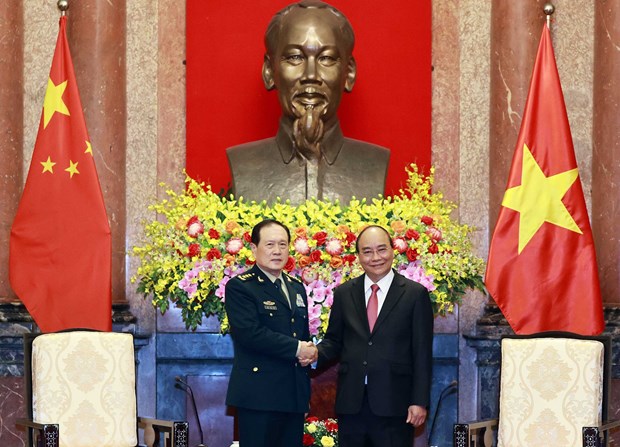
308 353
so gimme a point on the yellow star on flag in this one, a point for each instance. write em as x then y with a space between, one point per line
72 169
89 148
48 165
53 101
539 199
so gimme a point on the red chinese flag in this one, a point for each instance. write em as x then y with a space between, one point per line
60 249
542 266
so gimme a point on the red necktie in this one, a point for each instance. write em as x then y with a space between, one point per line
373 307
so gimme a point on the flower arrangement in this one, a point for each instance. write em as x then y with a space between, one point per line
320 433
201 240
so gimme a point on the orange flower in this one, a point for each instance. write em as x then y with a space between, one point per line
398 226
230 259
342 229
304 261
336 262
232 227
300 232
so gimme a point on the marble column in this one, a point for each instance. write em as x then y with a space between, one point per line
11 137
515 33
606 147
96 32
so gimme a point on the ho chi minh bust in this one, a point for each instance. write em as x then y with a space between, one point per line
309 62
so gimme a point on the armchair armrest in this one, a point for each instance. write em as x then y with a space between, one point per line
176 433
596 435
47 433
464 434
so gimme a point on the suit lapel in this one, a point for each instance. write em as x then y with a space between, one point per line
394 294
359 300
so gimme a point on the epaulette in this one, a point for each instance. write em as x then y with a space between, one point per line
246 276
292 278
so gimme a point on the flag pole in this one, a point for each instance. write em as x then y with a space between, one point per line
63 5
548 9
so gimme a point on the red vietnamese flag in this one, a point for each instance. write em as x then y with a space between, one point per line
542 269
60 249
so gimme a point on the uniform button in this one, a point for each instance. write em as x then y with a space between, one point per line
255 369
365 363
369 343
294 334
270 314
292 320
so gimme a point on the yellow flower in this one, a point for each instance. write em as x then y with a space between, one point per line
327 441
311 428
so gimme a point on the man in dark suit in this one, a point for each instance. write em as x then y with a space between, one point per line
268 316
309 61
381 330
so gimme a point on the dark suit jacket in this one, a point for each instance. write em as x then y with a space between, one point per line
267 169
396 357
265 333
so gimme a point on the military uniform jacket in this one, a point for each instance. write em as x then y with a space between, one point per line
265 332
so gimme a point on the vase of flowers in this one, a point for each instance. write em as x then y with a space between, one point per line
320 432
200 240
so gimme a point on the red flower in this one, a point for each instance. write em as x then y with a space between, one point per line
194 227
433 249
350 238
412 234
331 425
248 262
315 256
427 220
349 259
193 250
290 264
247 237
320 237
308 439
311 419
213 234
412 254
214 253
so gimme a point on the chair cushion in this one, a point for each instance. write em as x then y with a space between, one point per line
550 388
85 382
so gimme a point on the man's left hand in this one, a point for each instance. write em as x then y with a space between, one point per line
416 415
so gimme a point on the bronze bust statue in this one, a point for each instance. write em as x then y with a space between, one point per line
309 62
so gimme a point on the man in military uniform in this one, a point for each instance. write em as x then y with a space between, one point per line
268 315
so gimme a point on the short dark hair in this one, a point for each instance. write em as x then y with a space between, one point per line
357 248
272 35
265 223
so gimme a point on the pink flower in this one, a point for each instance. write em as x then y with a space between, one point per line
334 247
194 227
434 234
308 275
301 246
234 245
400 244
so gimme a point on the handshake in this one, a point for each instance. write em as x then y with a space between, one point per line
308 353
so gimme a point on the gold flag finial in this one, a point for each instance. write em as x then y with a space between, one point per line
63 5
548 9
